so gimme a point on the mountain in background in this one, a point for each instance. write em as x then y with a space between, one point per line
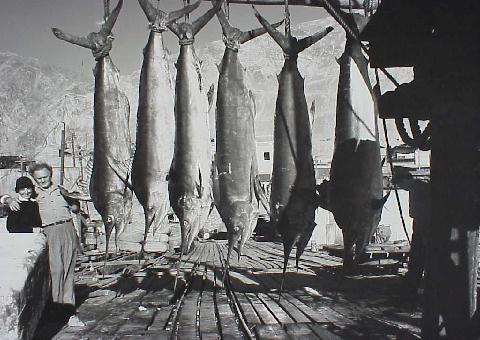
36 98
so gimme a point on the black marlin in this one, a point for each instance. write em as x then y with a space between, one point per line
155 121
190 183
355 190
239 187
109 192
292 200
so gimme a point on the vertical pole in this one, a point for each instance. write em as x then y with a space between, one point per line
288 32
452 259
62 155
21 166
73 149
106 9
185 3
80 159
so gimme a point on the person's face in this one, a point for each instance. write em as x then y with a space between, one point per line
25 193
43 177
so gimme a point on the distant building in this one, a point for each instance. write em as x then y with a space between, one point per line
265 157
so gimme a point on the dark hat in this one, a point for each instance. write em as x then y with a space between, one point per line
23 182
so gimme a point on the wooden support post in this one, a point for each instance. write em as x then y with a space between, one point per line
80 159
73 149
452 260
62 155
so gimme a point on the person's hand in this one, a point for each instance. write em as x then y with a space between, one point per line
13 204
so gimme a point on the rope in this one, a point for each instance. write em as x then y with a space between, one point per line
420 140
389 160
156 25
185 3
288 31
333 12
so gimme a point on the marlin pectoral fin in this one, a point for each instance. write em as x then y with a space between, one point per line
321 198
210 95
377 93
254 103
122 170
312 113
261 195
379 203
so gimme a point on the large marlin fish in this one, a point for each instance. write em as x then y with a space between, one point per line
292 200
239 187
189 183
355 189
109 192
155 121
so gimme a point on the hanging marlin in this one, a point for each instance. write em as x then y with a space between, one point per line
292 200
236 159
109 192
355 190
189 182
155 121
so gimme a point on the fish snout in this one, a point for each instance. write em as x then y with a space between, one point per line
185 229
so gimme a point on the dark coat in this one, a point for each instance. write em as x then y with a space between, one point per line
25 219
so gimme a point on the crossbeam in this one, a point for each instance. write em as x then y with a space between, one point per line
344 4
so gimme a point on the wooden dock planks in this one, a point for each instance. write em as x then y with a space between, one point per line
141 305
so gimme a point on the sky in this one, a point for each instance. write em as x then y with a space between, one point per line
25 29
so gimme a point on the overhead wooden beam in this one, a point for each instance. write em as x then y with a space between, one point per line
345 4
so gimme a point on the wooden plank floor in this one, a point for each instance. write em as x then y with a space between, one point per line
317 302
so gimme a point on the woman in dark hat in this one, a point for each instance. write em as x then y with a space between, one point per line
28 217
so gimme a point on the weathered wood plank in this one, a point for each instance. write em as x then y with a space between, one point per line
300 331
262 311
208 320
271 332
249 312
323 333
275 308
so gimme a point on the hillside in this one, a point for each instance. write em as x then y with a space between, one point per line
35 97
